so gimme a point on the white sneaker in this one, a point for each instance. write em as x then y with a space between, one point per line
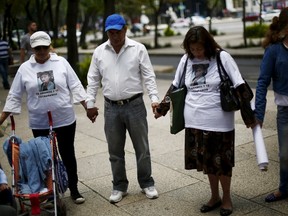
150 192
116 196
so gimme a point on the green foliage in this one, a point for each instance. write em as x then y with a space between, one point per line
256 30
84 46
169 32
214 32
83 70
59 42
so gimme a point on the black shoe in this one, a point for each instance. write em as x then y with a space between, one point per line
77 198
206 208
272 198
225 212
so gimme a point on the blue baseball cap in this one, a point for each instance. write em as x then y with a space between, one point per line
114 21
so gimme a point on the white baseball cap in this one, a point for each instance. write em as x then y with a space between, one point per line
40 38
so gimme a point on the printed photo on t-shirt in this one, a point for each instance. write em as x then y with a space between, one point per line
199 72
46 81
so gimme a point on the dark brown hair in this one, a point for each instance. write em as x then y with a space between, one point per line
198 34
275 32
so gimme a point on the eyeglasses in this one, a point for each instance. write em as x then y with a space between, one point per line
38 48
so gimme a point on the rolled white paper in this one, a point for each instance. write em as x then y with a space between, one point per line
261 152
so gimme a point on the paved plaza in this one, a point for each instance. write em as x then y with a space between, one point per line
181 192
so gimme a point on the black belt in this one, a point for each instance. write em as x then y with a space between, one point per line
125 101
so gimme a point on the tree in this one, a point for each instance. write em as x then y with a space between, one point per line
10 9
89 8
157 7
109 8
211 6
55 23
244 23
71 21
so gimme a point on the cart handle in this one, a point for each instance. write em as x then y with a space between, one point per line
50 118
12 122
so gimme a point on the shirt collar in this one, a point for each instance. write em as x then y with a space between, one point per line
53 57
128 42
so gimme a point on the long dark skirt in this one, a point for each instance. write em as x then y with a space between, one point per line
210 152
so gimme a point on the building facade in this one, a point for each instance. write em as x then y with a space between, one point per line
236 6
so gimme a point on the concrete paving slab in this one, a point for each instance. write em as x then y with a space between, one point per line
249 182
94 205
165 178
182 192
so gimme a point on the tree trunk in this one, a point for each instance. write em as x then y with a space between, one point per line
50 15
38 14
84 29
109 8
72 47
244 23
56 21
156 45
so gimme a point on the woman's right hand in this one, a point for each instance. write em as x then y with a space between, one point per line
157 114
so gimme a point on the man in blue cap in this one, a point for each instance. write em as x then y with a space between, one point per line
122 67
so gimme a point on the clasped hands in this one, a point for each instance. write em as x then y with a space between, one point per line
92 114
154 108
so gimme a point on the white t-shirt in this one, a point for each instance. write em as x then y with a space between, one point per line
202 106
50 86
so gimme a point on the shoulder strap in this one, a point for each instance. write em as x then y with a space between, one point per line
222 72
182 80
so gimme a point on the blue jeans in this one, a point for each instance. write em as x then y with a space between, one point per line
4 71
129 117
282 128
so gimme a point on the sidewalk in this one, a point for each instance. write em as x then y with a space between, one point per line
181 192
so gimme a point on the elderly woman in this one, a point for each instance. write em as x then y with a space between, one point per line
209 130
57 100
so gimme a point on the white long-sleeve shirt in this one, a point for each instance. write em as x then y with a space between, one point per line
67 89
122 75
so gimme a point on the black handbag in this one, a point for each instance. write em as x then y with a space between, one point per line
177 103
228 95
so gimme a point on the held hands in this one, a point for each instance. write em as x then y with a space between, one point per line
154 109
157 115
92 114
